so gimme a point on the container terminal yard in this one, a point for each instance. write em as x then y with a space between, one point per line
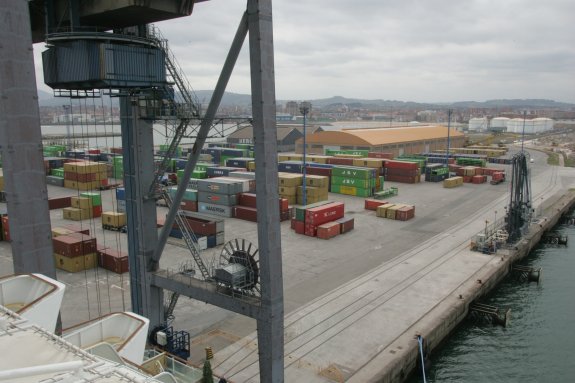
383 241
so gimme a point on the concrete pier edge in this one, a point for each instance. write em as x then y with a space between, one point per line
402 356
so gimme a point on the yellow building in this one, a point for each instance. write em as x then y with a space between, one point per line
396 140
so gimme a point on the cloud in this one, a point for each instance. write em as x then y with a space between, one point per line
416 50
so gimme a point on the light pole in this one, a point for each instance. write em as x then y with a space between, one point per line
67 114
304 108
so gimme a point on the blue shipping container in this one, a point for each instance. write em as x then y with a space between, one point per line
121 194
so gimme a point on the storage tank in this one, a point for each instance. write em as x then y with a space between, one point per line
477 124
499 124
543 124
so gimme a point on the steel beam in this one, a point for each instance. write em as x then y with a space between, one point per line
206 292
138 153
271 323
201 138
21 145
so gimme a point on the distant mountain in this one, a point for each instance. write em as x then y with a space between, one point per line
513 103
244 100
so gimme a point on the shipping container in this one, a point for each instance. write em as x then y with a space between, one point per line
59 202
353 172
76 264
76 214
113 260
88 242
245 213
68 246
328 230
289 180
113 219
325 213
372 204
405 213
346 224
350 190
213 209
221 186
355 182
218 199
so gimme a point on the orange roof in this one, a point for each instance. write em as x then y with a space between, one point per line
380 136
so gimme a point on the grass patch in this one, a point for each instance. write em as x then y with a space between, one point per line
569 161
553 159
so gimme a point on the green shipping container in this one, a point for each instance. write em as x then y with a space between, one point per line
95 197
57 172
355 182
332 152
350 190
352 172
189 194
381 179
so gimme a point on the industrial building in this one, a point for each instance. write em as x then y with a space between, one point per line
287 135
510 125
399 140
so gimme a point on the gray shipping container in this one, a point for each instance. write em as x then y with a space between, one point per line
121 206
220 239
247 184
218 199
246 175
213 209
220 186
56 181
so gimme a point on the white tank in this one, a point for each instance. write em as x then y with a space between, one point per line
543 124
477 124
499 123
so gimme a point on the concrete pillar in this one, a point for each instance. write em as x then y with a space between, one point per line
21 144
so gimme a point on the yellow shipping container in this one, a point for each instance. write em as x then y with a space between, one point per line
452 182
283 157
290 179
375 163
317 181
71 167
114 219
310 191
318 159
391 212
382 210
75 214
288 190
60 231
252 166
73 265
82 202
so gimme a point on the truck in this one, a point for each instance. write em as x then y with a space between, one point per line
497 178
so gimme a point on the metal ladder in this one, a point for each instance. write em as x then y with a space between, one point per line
188 236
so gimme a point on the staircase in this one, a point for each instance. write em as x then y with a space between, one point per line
185 104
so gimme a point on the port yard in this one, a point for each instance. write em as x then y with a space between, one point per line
354 303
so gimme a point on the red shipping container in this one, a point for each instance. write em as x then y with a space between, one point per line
388 156
70 176
468 179
311 170
402 172
88 177
479 179
94 151
59 202
340 161
328 230
116 150
402 179
201 226
310 230
96 211
88 242
372 204
393 164
405 213
113 260
346 224
497 176
285 215
67 246
284 205
453 168
299 227
325 213
245 213
104 182
248 200
189 206
6 228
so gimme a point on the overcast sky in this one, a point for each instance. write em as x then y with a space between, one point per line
409 50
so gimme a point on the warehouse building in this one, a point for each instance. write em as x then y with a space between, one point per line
286 136
399 140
